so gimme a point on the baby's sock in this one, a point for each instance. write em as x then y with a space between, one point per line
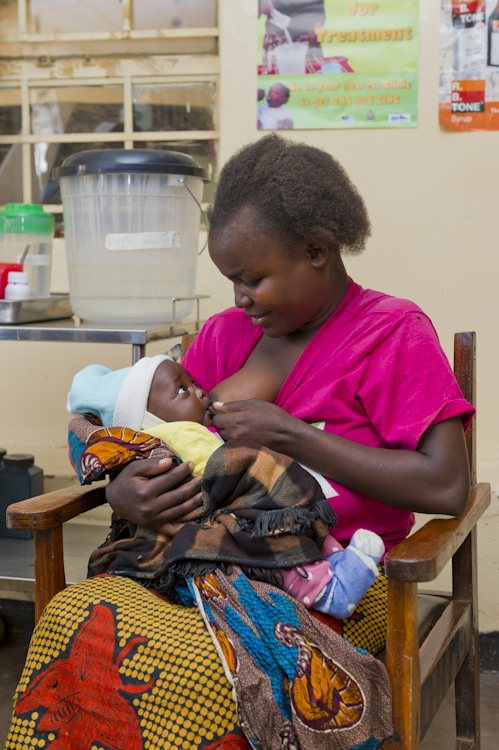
355 569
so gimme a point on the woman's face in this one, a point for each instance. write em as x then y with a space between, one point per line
280 291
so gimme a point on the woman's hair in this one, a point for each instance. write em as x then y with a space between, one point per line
298 190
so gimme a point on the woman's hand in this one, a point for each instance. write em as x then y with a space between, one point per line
147 493
257 420
266 7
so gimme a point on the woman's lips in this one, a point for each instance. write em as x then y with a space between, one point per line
258 320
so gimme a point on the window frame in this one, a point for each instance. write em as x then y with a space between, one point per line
128 72
127 30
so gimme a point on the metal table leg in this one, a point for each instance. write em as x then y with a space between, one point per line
138 351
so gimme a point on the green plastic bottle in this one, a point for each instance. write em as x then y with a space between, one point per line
23 224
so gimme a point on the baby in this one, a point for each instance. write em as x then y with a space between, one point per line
158 396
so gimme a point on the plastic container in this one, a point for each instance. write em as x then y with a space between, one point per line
291 58
24 224
131 221
19 480
17 286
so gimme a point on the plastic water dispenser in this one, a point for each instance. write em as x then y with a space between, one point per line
131 220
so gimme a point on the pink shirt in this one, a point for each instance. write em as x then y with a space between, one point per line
375 373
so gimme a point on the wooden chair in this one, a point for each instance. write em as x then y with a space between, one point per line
422 665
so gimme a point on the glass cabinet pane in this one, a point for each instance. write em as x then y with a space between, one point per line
69 16
10 111
174 106
8 18
10 124
174 14
77 109
203 151
48 156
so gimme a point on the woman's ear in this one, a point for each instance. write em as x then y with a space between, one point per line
318 252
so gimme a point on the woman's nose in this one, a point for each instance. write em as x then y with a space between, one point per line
240 298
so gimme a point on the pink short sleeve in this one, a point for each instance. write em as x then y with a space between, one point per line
408 384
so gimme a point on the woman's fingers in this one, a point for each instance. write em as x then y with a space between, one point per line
176 512
146 489
177 499
169 480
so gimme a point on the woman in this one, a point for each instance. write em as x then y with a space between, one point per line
305 348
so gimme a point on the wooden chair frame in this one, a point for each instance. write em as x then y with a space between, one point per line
420 676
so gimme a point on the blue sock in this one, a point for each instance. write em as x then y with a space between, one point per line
355 569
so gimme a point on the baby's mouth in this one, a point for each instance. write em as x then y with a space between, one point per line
208 416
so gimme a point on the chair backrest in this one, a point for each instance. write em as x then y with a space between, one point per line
465 372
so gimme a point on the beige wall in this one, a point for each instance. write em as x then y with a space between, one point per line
433 199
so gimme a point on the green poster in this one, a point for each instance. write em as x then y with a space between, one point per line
337 64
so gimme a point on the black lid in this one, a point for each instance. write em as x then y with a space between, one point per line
136 160
19 459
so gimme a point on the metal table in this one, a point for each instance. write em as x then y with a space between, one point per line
74 330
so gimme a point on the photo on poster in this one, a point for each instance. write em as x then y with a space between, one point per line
337 64
468 91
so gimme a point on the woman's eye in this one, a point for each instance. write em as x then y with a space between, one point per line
252 283
181 389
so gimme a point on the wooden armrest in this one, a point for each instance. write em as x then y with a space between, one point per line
422 556
50 510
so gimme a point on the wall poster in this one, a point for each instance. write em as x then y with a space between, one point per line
337 64
469 65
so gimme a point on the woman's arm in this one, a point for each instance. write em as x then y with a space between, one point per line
432 479
147 493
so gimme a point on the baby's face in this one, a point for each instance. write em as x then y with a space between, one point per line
175 398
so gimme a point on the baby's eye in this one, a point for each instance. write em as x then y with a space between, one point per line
181 389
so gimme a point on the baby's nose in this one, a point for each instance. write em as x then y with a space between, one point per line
201 394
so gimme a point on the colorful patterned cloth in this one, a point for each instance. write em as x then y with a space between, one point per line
297 684
95 451
111 666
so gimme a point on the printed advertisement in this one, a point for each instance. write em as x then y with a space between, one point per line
337 64
469 65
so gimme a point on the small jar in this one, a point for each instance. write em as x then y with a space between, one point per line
17 286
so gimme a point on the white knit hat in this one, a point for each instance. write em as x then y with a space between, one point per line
118 398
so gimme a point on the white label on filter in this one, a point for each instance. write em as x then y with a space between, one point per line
143 241
36 260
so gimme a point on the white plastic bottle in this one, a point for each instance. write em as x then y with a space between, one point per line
17 286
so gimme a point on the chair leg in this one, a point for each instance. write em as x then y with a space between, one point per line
402 663
464 568
49 567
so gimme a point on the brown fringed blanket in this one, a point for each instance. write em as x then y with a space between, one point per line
297 684
261 511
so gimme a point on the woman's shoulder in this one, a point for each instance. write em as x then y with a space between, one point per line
368 302
228 321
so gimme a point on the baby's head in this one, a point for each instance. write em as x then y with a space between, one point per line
123 398
174 397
